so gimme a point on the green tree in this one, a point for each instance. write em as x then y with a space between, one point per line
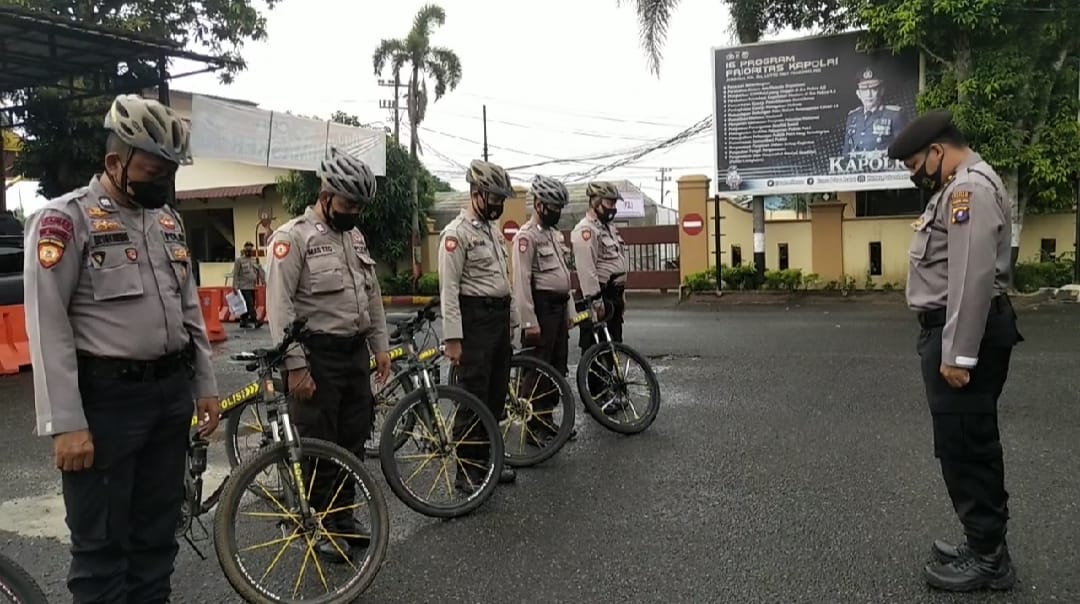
64 139
386 220
424 61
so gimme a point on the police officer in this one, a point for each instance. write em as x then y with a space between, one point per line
247 275
119 351
477 310
320 269
957 280
601 262
873 126
542 292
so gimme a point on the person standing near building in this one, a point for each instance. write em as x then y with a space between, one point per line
247 275
542 290
320 270
958 276
601 262
477 310
120 355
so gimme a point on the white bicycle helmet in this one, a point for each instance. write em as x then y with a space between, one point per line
147 125
548 190
344 175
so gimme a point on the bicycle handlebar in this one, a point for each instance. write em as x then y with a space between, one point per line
425 314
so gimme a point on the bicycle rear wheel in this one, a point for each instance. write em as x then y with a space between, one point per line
461 445
17 586
334 541
539 412
607 395
385 398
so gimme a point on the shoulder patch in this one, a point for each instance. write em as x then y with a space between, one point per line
281 249
49 252
960 197
450 243
55 225
523 245
960 214
586 234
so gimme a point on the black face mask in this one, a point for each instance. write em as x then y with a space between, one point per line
923 179
549 217
605 215
340 222
148 194
491 211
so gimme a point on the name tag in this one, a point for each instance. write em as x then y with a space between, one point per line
111 238
320 250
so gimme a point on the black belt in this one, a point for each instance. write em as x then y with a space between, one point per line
929 319
486 302
550 297
328 342
132 370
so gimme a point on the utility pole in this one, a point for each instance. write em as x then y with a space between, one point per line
393 105
485 134
663 178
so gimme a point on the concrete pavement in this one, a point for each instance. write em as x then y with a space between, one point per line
791 462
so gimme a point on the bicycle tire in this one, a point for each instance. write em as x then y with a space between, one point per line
17 586
594 409
240 483
393 476
373 450
232 424
566 397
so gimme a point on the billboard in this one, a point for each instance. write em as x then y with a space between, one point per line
249 135
810 115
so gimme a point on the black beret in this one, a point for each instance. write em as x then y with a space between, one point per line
920 133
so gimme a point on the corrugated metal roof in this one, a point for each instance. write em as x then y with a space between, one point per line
225 192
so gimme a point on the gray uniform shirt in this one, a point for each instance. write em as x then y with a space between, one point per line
247 273
599 253
106 281
472 262
326 277
539 263
959 257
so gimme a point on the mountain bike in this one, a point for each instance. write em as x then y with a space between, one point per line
436 435
539 408
17 586
609 394
320 530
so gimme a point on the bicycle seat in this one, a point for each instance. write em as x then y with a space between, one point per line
397 318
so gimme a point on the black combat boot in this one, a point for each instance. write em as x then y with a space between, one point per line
969 570
945 552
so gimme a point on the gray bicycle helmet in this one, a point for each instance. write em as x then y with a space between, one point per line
147 125
489 178
603 190
344 175
548 190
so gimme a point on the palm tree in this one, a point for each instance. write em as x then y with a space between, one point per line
425 61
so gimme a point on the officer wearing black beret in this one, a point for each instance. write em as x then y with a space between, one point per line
958 274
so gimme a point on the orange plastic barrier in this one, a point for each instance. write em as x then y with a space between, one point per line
14 347
210 301
260 303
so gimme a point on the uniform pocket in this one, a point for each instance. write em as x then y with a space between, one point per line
116 282
547 259
327 275
367 264
920 243
609 247
180 259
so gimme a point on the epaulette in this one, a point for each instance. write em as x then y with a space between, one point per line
855 110
893 107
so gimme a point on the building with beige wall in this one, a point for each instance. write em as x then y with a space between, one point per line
833 237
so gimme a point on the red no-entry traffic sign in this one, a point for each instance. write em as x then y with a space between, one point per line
692 224
509 229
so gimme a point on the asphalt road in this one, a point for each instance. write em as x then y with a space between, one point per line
791 462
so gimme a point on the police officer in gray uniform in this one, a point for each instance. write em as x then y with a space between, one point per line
247 275
476 305
873 126
320 269
542 291
958 276
602 264
120 352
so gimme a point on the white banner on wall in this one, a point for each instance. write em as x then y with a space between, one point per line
231 132
632 205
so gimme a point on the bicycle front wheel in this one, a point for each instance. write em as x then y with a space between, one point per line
385 398
618 387
17 586
342 542
453 455
539 412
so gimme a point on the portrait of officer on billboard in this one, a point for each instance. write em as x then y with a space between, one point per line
871 127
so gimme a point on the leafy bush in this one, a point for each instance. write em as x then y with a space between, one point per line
396 284
790 279
739 277
700 282
1030 276
428 284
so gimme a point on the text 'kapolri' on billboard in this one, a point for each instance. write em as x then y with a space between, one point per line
811 115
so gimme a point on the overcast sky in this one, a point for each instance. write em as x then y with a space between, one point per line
561 79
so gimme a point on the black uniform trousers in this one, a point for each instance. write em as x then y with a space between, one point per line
484 369
966 437
123 512
552 346
340 412
613 298
250 317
